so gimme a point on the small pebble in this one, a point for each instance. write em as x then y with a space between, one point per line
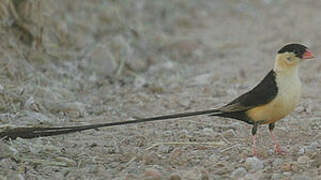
288 174
168 133
102 61
194 173
174 177
314 146
204 174
289 166
250 176
149 158
229 133
208 131
301 151
1 88
202 79
239 172
254 163
301 177
303 159
164 149
316 161
140 81
277 162
276 177
153 173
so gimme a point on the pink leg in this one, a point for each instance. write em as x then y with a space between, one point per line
277 145
253 145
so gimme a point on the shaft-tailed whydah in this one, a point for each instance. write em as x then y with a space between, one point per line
269 101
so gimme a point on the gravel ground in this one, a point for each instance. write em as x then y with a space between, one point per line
67 62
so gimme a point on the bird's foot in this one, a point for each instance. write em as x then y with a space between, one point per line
254 154
279 150
254 145
259 156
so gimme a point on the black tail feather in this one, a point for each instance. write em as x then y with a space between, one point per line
239 115
32 132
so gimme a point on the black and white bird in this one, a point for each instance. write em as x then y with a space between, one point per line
271 100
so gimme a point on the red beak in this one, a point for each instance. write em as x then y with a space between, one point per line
307 54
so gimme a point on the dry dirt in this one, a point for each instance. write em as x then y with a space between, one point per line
67 62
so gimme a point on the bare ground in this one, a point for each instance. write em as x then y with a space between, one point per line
67 62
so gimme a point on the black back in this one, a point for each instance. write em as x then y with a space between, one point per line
261 94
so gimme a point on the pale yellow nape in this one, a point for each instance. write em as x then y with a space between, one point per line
289 91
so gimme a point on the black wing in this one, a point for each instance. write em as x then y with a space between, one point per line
262 94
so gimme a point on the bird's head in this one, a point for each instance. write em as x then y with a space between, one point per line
290 55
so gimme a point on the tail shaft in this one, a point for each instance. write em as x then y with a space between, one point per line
32 132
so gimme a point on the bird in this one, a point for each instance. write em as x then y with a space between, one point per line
273 98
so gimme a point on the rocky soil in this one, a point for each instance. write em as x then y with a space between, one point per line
66 62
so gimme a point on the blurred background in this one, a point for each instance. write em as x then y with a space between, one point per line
67 62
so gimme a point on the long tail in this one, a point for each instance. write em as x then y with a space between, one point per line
33 132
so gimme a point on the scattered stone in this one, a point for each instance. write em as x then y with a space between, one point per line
223 171
250 177
229 133
185 102
277 162
301 177
239 172
208 131
194 173
149 158
140 81
202 79
219 92
301 151
5 150
314 146
168 65
168 133
204 174
288 174
277 176
1 89
289 166
174 177
164 148
316 161
303 159
254 163
101 61
31 104
67 161
131 177
152 173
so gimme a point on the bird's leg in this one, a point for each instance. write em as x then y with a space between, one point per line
254 129
277 145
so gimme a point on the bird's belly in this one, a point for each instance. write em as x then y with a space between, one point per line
281 106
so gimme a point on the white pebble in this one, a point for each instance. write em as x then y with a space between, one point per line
239 172
277 162
254 163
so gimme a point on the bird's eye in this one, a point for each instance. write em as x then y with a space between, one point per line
289 58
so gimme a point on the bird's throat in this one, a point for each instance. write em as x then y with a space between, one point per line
281 67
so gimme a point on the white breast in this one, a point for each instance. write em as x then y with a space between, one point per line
289 91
